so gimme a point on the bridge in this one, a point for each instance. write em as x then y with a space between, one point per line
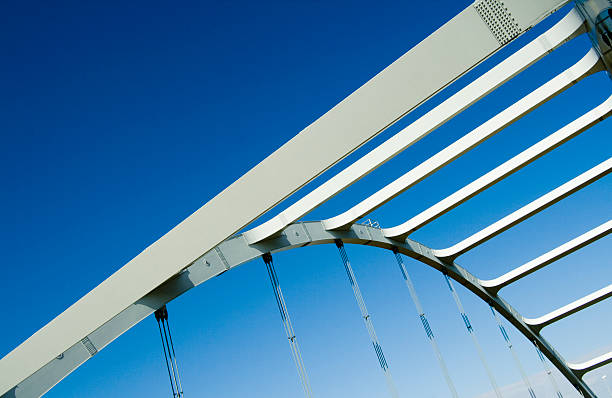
193 252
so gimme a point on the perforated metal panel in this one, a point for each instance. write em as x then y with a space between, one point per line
499 20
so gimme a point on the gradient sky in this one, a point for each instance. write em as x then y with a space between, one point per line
122 118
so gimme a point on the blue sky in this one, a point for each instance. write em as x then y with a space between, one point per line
120 120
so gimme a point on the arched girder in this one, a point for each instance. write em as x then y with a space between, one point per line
236 251
455 48
100 316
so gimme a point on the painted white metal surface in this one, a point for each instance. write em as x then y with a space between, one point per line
406 83
587 65
502 171
530 209
564 30
584 367
571 308
455 48
550 256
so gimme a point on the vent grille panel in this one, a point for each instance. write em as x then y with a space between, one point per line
499 20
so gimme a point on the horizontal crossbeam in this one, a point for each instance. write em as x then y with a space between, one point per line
568 28
542 203
586 66
572 308
494 285
589 64
584 367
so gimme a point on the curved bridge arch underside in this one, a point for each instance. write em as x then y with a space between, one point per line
191 254
236 251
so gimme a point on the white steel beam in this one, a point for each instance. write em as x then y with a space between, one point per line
589 64
528 210
567 310
548 258
584 367
455 48
502 171
236 251
569 27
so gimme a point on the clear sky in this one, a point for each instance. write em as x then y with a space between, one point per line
122 118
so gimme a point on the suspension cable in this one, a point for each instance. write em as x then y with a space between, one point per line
164 317
470 330
288 326
425 322
517 361
367 319
179 385
551 377
158 318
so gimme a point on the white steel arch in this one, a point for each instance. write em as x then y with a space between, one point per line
193 252
236 251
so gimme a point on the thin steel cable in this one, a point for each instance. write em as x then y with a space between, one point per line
165 356
290 325
295 351
288 332
551 377
170 355
517 361
470 330
367 320
425 322
178 374
287 325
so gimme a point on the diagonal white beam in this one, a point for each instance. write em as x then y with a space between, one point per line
527 211
569 27
572 308
502 171
549 257
589 64
457 47
584 367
